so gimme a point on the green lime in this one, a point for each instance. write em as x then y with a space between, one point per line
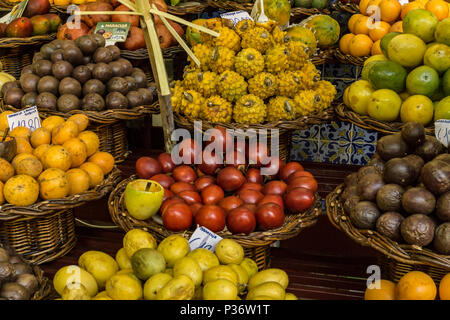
422 80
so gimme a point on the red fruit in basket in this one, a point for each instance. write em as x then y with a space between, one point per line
236 159
231 202
167 194
220 137
190 197
272 198
210 163
195 207
163 179
169 202
189 150
241 220
269 216
211 217
275 187
254 175
212 194
204 181
166 163
252 186
147 167
272 170
250 196
258 154
304 182
298 174
299 199
177 217
289 169
184 173
230 179
250 206
179 186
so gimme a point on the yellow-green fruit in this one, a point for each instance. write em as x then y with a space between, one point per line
122 259
327 92
297 56
228 38
249 62
78 292
188 267
154 284
345 97
205 258
290 296
250 266
101 265
279 36
220 290
173 247
242 276
231 85
217 109
270 289
169 271
129 272
176 90
258 38
289 83
190 78
303 35
244 26
442 110
417 108
73 275
359 96
276 59
384 105
136 239
220 272
191 103
249 109
222 59
203 53
229 251
260 298
306 102
281 108
207 83
264 85
268 275
102 296
123 287
309 76
179 288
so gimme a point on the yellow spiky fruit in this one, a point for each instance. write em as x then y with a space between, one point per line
264 85
203 53
249 62
327 91
258 38
297 55
249 109
207 83
176 90
217 109
190 78
279 36
309 76
231 85
191 103
289 83
228 38
280 108
222 59
244 26
307 102
276 59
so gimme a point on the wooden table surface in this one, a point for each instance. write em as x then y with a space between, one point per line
322 263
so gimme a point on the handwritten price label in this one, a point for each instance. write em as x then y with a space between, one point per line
25 118
204 238
236 16
442 131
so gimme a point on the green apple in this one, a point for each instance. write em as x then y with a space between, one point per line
143 198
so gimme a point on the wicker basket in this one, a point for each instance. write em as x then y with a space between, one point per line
45 286
13 60
322 56
306 12
349 59
19 42
256 244
349 7
142 54
366 122
182 9
398 258
45 231
231 5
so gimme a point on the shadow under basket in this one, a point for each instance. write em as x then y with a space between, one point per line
42 238
113 139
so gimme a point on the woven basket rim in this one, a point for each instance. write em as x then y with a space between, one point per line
349 59
17 42
45 287
143 52
345 114
10 212
349 7
297 11
294 223
404 253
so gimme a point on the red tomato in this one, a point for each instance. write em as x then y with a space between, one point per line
203 182
163 179
195 207
269 216
250 206
241 220
190 196
252 186
177 217
184 173
169 202
211 217
298 174
299 199
212 194
166 163
275 187
189 151
254 175
289 169
147 167
304 182
179 186
272 198
167 194
250 196
230 203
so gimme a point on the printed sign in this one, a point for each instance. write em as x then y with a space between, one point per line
113 31
442 131
15 13
204 238
236 16
25 118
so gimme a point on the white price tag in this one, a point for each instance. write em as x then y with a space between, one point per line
236 16
204 238
442 131
25 118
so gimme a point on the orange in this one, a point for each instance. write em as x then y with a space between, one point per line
57 157
444 287
6 170
104 160
64 132
416 285
91 140
78 181
379 30
94 172
362 25
30 166
352 20
376 49
2 198
53 184
81 120
397 27
23 146
344 42
360 45
363 6
373 9
52 122
39 151
386 291
4 120
409 7
21 190
19 157
438 7
77 150
40 136
390 10
20 132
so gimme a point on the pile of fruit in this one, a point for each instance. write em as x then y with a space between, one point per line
404 192
411 81
57 160
218 196
316 4
35 21
414 285
169 271
380 17
17 281
83 74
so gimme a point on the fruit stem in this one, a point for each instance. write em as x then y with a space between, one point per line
147 187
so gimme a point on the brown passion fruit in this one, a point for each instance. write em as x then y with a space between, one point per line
364 215
392 146
81 74
69 86
48 84
46 100
443 207
418 200
62 69
369 185
93 102
389 197
29 99
94 86
29 82
418 229
117 84
388 224
13 97
442 239
102 72
116 100
68 102
42 68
